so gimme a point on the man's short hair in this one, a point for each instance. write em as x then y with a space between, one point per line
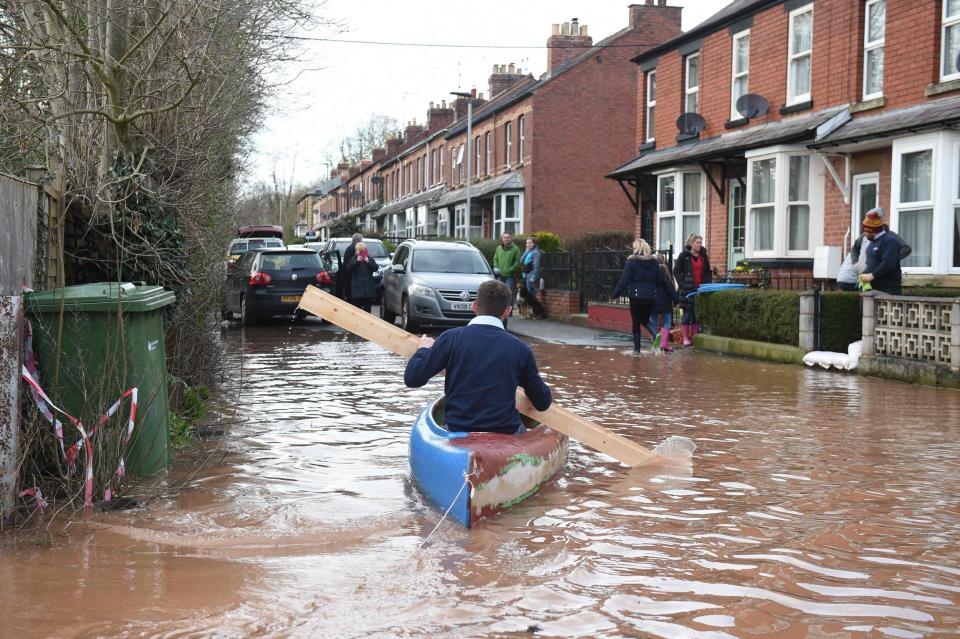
493 298
357 237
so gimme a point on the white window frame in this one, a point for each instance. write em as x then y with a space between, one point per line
689 91
947 22
462 228
871 46
441 153
461 170
678 213
478 152
735 75
500 207
650 120
521 134
443 222
453 165
781 204
508 143
856 218
954 205
792 96
945 147
488 138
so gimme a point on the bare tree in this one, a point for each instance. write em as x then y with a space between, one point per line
368 136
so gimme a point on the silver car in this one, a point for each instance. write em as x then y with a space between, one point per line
433 283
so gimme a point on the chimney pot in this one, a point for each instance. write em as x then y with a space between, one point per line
649 3
556 27
511 69
662 3
583 31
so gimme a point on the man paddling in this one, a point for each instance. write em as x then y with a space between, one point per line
484 365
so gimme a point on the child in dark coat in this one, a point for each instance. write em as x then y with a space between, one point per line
662 313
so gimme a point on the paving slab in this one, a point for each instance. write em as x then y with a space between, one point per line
563 333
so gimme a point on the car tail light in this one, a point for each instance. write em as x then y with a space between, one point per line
324 278
259 277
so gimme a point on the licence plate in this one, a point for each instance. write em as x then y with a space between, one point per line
461 306
290 299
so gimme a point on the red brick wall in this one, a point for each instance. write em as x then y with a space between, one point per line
560 303
611 317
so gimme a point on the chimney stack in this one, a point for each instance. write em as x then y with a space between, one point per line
503 77
393 144
657 17
413 129
568 41
439 116
378 154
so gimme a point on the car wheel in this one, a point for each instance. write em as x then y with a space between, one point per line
225 313
405 322
386 314
246 317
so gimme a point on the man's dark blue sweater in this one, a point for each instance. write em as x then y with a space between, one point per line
484 365
883 261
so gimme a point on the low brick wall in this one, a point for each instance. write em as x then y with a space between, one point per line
560 303
610 317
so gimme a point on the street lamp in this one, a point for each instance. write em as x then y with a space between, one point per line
469 98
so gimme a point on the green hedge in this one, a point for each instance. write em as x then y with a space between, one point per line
932 291
763 316
840 320
600 240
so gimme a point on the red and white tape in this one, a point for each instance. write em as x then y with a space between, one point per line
45 404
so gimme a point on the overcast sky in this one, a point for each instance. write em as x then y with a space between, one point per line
337 86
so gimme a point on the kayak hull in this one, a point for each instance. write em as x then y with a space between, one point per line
478 475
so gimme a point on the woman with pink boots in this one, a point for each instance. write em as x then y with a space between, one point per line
692 268
662 314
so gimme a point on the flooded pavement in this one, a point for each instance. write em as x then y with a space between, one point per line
818 505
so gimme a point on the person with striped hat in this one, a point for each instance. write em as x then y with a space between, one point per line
883 255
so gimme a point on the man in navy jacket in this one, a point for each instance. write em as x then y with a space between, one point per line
484 365
883 256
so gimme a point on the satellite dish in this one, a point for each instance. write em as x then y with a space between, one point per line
691 123
751 105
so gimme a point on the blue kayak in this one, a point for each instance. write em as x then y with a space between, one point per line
477 475
712 288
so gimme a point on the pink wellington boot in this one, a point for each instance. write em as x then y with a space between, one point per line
685 331
665 339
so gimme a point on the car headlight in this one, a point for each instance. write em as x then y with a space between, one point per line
420 289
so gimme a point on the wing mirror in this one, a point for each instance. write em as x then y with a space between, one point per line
398 269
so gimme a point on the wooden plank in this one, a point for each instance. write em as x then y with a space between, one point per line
11 327
399 341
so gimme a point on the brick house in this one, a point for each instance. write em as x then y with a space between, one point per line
541 146
851 104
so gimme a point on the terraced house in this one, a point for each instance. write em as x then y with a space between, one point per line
773 126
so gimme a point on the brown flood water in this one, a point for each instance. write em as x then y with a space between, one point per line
818 505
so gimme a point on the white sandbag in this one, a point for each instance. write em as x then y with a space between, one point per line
842 361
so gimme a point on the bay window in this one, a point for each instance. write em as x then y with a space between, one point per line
800 54
874 32
680 204
741 71
507 214
468 227
950 40
915 205
443 223
784 203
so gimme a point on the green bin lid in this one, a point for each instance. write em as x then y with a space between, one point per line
101 297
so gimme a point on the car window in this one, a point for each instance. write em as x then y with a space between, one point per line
289 261
376 248
330 261
441 261
247 260
238 248
400 257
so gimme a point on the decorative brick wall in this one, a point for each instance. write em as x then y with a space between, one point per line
560 303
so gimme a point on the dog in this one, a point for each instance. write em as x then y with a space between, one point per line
527 308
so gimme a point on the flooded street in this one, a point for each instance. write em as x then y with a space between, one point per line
818 505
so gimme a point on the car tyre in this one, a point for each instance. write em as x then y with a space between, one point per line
386 314
246 317
405 322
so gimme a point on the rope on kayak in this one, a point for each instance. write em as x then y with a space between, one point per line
466 482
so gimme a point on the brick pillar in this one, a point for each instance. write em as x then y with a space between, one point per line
869 324
807 321
955 336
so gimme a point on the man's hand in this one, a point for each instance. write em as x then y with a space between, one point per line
866 277
425 342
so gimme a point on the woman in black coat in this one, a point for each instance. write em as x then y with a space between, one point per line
639 281
360 269
692 269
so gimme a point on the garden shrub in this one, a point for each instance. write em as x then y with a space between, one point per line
547 241
840 320
599 241
759 315
932 291
487 247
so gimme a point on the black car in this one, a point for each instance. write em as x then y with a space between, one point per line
269 282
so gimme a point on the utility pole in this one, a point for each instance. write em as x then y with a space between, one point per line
469 98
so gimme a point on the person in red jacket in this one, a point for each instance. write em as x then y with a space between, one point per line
691 269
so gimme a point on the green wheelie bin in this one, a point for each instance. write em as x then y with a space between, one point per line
93 342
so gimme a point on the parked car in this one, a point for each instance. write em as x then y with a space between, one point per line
269 282
240 246
377 251
433 283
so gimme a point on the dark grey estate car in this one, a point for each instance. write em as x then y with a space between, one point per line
269 282
433 283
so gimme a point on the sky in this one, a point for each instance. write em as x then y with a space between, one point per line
336 86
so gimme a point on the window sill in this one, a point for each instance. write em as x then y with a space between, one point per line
781 262
867 105
686 137
787 109
937 88
647 146
733 124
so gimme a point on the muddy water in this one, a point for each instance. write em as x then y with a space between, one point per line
818 505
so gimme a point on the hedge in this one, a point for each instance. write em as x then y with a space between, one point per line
931 291
840 320
762 316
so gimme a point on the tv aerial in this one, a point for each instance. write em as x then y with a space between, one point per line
752 105
691 123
